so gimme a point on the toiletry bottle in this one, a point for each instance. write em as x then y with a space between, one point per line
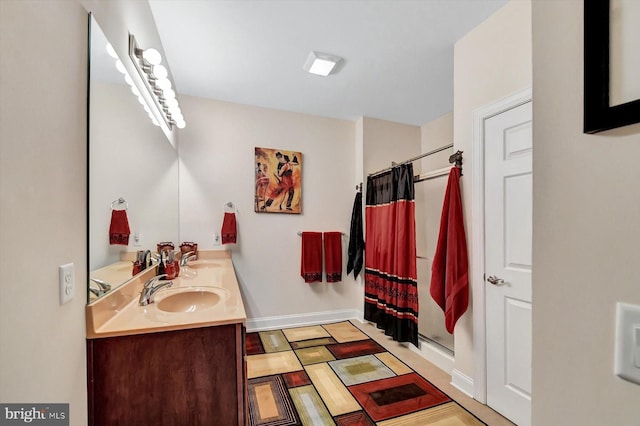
187 247
176 263
146 259
137 267
170 266
161 265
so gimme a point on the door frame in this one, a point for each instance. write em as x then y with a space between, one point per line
480 115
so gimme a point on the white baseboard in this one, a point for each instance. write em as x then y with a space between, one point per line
462 382
300 320
436 356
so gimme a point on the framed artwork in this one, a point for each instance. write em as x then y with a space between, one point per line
278 186
611 64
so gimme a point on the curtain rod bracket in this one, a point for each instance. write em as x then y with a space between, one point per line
456 158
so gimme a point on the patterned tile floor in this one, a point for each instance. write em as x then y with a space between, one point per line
334 374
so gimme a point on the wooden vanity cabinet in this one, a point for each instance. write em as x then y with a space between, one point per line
185 377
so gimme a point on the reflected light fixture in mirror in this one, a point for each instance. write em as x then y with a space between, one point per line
127 78
156 80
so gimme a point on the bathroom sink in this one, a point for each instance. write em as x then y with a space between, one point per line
202 264
190 299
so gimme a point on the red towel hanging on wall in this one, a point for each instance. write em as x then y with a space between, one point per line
450 269
333 256
119 228
311 261
229 232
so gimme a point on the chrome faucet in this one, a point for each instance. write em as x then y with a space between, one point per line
150 289
184 260
104 286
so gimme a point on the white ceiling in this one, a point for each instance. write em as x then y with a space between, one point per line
398 53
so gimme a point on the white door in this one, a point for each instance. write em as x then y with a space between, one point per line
508 228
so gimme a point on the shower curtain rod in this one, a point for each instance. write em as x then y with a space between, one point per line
411 160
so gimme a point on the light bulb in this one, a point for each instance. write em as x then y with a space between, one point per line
135 90
141 100
180 124
177 116
128 79
154 121
169 94
164 83
172 103
160 72
120 67
146 108
111 52
152 56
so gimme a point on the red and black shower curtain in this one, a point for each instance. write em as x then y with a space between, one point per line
391 289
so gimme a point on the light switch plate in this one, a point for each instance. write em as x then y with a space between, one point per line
216 239
66 280
627 358
636 350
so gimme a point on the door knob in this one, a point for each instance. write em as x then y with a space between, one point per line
495 280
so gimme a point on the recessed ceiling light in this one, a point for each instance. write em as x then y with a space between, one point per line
321 63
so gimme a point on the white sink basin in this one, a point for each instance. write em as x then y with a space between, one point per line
190 299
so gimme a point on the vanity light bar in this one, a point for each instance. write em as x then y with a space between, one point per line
127 78
155 78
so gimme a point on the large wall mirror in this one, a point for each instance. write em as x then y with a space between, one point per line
130 159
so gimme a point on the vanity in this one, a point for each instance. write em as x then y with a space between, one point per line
177 361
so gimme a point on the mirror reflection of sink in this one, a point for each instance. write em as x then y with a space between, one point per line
202 264
190 299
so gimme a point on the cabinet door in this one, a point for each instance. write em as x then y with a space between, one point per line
186 377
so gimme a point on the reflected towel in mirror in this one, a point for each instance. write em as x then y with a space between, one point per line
119 228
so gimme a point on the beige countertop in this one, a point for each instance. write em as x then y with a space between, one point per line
119 314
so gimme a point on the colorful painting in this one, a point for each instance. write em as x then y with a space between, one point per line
278 181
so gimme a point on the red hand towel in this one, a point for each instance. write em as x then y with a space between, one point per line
229 232
333 256
119 228
311 262
449 271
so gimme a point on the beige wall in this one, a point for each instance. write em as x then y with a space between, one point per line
216 166
387 141
587 235
433 135
43 76
490 63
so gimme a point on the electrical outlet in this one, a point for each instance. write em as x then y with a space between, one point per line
66 280
627 350
137 239
216 239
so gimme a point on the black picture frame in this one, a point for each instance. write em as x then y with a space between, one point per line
598 114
